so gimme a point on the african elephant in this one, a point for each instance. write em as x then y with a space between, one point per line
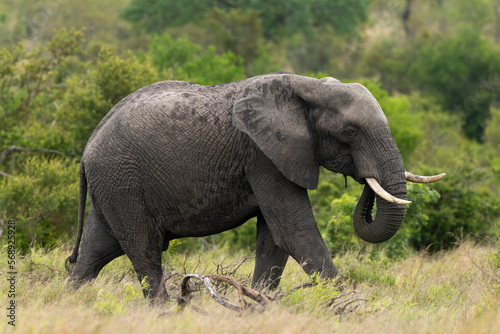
176 159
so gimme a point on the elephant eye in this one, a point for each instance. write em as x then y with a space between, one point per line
350 132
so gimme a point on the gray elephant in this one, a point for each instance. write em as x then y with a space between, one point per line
176 159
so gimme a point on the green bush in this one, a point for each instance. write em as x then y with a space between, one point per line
467 206
42 197
492 135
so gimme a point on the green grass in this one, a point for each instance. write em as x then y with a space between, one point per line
445 293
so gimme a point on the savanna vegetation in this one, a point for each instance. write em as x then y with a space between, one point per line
454 292
433 65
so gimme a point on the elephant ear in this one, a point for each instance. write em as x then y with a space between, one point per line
273 112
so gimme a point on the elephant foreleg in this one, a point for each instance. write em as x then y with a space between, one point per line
270 260
288 215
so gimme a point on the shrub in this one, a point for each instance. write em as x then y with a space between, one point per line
42 197
463 208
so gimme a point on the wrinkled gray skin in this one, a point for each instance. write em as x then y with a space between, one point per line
175 159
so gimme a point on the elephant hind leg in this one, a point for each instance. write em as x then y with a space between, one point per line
98 249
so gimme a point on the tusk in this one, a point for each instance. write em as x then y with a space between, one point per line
424 179
377 188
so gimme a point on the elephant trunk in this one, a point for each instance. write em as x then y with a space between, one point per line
389 215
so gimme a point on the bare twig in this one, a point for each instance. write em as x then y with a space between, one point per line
306 285
346 302
340 303
229 270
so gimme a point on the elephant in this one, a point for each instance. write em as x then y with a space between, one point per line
176 159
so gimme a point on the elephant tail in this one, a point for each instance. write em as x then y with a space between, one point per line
81 215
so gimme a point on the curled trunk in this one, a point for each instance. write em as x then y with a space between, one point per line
388 218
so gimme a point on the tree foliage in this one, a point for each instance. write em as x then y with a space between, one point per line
235 31
450 52
465 207
91 94
29 81
458 69
279 17
183 60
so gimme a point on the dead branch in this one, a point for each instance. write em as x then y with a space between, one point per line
340 303
5 174
184 298
229 270
243 291
346 302
303 286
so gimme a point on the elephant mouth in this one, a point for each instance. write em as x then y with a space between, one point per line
367 208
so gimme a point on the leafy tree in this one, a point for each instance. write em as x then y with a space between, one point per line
235 31
180 59
279 17
34 22
90 96
457 69
492 135
344 15
492 132
30 82
447 16
154 16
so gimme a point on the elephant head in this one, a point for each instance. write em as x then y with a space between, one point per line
302 123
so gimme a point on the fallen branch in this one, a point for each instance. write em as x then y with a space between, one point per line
340 303
5 174
344 303
184 298
243 291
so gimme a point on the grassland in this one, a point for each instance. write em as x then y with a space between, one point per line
452 292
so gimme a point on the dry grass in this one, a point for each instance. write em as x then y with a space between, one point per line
446 293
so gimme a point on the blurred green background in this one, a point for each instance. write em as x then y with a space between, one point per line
434 66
